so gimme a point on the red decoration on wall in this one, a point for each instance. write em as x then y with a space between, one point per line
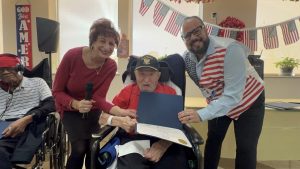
232 22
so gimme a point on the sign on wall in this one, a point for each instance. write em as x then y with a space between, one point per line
23 32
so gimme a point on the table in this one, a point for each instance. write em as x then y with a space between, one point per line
280 137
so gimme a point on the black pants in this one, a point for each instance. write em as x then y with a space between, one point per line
79 133
247 130
7 147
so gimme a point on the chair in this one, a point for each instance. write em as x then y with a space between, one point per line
173 68
53 138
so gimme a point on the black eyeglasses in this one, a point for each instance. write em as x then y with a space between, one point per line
195 32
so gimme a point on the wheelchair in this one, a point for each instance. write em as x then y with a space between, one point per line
172 69
53 143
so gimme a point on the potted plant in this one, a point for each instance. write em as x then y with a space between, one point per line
287 65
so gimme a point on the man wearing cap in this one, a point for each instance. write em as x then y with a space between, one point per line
161 154
23 101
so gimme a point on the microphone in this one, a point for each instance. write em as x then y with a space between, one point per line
88 95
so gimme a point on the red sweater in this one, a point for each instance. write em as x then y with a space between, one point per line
72 76
128 98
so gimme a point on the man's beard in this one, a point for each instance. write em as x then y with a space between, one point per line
202 50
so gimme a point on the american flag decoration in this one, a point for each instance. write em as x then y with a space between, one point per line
270 37
208 28
145 5
160 12
290 32
250 39
233 34
214 31
224 33
174 24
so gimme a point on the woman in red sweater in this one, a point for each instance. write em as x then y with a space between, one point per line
79 67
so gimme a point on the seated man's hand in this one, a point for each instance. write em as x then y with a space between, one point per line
126 123
157 150
17 127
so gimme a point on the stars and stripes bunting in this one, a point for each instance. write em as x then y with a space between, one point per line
208 28
214 31
145 5
250 39
174 24
289 32
270 37
160 12
233 34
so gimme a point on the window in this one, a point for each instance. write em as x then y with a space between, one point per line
76 18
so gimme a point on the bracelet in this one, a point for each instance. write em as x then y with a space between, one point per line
109 119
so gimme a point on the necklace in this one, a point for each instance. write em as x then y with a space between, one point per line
99 69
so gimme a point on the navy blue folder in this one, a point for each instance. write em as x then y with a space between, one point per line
160 109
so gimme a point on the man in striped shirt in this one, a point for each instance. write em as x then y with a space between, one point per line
23 101
233 90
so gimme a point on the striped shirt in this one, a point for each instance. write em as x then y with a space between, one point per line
226 78
25 97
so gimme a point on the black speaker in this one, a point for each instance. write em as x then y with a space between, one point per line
47 34
258 64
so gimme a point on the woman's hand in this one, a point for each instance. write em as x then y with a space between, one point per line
157 150
126 123
83 106
189 116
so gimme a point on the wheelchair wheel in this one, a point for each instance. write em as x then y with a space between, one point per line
60 149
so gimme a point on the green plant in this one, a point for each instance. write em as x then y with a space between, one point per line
288 62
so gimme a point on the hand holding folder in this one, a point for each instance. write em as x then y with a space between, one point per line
157 117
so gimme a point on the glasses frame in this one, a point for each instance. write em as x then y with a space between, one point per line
189 34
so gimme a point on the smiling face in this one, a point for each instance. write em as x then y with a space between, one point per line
147 79
195 36
103 47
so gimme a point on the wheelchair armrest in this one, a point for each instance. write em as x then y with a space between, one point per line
96 139
195 140
104 131
193 135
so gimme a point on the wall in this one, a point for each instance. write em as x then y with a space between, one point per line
39 9
244 10
273 12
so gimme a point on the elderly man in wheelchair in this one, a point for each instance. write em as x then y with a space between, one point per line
161 154
24 106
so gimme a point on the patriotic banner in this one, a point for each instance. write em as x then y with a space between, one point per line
250 39
208 28
247 36
233 34
160 12
214 31
224 33
174 24
145 5
290 32
270 37
23 32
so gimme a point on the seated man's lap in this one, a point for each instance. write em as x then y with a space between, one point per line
7 146
174 156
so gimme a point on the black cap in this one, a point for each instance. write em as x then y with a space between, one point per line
147 61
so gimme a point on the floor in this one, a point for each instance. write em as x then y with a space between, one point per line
226 163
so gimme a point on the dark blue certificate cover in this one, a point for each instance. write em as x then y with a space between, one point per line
160 109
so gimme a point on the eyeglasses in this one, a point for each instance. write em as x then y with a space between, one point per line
9 69
195 32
